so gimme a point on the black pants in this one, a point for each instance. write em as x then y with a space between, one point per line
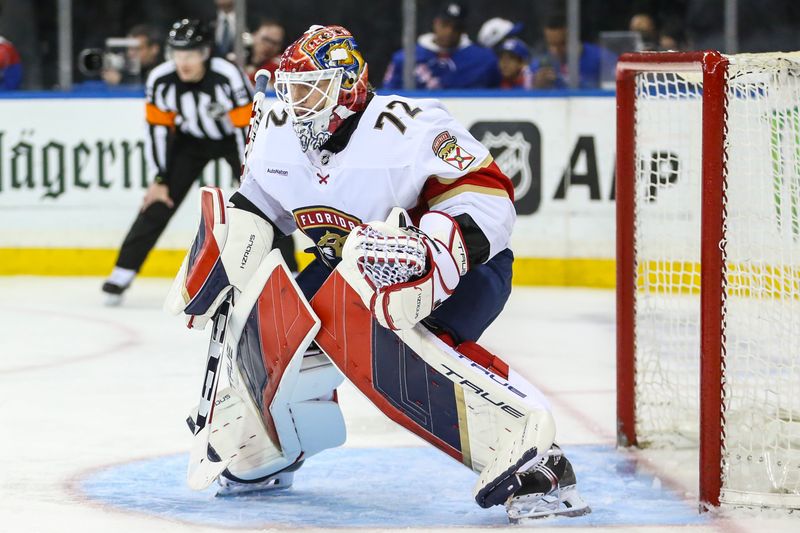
187 159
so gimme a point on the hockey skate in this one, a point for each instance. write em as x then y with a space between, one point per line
114 293
547 489
230 486
116 285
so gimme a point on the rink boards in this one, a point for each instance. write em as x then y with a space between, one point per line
72 174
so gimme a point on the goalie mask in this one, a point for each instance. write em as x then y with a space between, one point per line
322 79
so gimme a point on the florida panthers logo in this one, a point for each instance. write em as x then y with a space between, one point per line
345 55
328 228
334 47
308 138
331 245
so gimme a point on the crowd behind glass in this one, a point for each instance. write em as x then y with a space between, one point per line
497 56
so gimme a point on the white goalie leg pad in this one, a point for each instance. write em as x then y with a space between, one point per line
317 415
229 247
281 406
238 430
506 424
517 450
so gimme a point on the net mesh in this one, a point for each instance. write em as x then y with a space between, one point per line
761 450
668 152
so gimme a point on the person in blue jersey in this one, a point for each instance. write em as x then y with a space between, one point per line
446 58
513 56
10 67
550 71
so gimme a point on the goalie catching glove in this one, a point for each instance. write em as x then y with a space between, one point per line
230 245
407 272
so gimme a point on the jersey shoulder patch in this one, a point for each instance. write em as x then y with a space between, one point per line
446 147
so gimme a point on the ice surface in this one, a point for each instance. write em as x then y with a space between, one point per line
92 433
382 487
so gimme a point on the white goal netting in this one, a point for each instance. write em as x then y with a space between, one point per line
761 324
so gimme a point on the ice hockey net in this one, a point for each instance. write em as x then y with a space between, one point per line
708 267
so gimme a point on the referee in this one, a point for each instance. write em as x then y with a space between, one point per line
197 110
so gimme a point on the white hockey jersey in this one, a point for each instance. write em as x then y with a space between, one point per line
404 152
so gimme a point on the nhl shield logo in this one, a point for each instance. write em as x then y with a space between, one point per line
512 156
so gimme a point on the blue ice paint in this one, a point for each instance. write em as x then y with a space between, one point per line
383 487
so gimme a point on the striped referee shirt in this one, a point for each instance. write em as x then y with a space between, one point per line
216 107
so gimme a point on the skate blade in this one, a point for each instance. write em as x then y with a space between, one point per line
256 491
569 512
569 504
281 482
113 300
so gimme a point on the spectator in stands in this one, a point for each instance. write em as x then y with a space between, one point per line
446 58
225 29
645 25
147 53
496 30
673 35
513 57
10 67
266 49
551 71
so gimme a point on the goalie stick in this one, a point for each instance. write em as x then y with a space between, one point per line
204 464
262 80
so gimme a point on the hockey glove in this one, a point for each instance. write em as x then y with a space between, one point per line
410 270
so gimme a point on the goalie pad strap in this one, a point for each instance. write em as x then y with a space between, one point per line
517 450
478 354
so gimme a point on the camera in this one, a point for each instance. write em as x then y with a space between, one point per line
92 62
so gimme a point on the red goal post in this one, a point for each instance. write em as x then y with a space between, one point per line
708 189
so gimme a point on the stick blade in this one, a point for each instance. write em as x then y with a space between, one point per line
203 469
